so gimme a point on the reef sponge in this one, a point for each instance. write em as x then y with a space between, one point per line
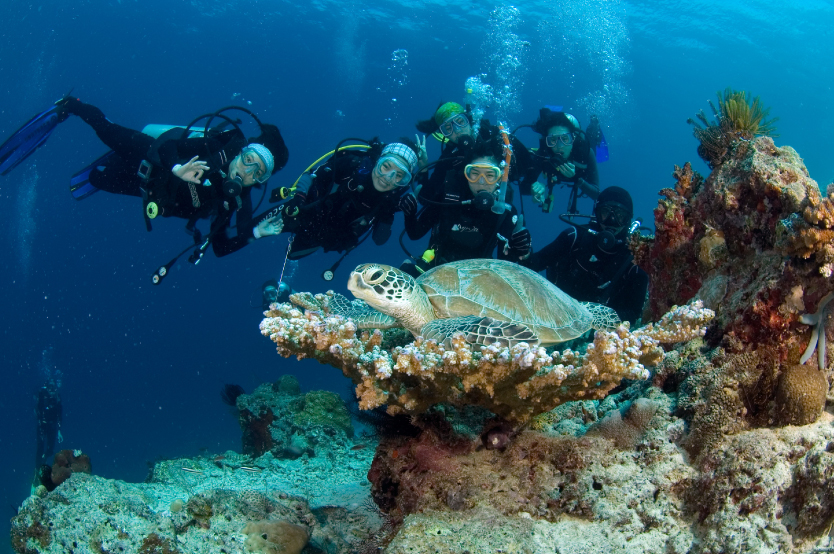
68 462
800 397
736 120
515 383
275 537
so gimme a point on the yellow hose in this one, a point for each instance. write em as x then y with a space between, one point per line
323 157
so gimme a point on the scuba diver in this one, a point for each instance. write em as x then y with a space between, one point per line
177 174
48 412
352 196
274 293
593 263
565 156
454 127
473 218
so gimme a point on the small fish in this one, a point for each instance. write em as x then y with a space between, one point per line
192 470
250 469
358 447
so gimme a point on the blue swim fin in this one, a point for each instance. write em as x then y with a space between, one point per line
80 186
30 137
602 149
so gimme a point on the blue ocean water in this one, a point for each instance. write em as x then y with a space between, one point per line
143 365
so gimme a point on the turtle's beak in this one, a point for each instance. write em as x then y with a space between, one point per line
357 286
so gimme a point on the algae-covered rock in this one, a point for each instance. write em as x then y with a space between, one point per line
287 384
323 408
276 419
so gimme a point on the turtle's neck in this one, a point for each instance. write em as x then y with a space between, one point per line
415 314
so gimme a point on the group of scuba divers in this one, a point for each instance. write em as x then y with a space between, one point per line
463 200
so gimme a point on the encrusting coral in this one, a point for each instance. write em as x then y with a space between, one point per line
515 383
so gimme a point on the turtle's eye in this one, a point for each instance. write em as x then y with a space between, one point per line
374 276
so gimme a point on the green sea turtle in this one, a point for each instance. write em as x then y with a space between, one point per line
490 301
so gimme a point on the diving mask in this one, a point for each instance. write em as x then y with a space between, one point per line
553 140
612 214
392 170
250 162
454 123
491 174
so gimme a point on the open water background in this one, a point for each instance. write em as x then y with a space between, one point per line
142 365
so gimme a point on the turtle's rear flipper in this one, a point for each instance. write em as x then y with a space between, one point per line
604 318
479 330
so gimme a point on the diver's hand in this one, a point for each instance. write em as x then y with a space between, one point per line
567 169
408 205
422 156
269 227
521 242
537 191
292 207
192 171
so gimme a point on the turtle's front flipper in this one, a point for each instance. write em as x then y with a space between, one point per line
362 315
479 330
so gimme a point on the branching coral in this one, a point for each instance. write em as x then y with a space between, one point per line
736 120
515 383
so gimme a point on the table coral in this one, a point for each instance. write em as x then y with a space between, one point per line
516 383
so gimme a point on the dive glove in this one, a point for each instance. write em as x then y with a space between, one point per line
292 207
408 205
521 241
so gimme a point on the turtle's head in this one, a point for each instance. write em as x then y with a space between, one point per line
383 287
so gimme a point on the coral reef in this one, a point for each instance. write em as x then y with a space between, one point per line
761 490
515 383
207 505
753 241
736 120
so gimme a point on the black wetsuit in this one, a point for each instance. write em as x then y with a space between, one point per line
575 264
175 197
48 412
341 206
545 161
463 232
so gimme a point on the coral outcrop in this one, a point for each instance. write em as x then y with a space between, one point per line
208 505
754 242
515 383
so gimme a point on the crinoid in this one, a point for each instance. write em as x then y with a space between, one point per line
736 119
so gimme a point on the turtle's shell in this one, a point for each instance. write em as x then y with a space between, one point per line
505 291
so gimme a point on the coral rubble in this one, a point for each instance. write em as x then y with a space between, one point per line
516 383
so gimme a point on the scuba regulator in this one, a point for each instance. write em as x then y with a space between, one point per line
232 187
